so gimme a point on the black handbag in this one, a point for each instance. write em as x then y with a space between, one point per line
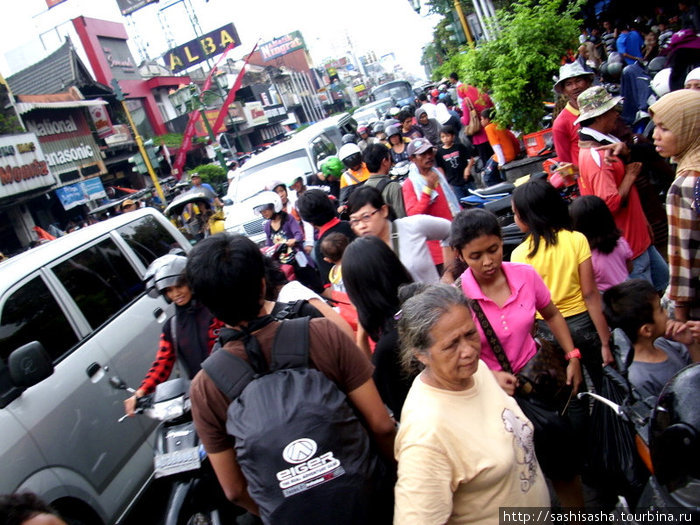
542 377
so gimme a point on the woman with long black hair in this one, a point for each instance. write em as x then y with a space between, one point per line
372 274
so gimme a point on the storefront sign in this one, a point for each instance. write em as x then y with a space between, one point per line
255 114
200 129
119 58
22 165
81 192
281 46
101 120
66 139
275 111
121 135
129 6
200 49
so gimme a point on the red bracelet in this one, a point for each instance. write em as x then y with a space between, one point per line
574 353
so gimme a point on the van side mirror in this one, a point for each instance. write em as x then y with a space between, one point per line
227 202
29 364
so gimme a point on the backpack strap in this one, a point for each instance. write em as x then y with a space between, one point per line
291 346
230 373
382 184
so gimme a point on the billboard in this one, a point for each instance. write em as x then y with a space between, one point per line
200 49
282 45
81 192
129 6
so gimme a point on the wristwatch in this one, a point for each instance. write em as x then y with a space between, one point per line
574 353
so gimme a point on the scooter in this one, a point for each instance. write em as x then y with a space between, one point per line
195 496
638 411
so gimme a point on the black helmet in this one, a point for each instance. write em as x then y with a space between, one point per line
378 127
165 271
349 138
675 430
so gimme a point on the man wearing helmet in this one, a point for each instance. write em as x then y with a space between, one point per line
573 81
330 171
356 172
188 336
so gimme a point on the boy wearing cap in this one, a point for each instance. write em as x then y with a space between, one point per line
573 81
606 176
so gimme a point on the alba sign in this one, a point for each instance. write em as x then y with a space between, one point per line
200 49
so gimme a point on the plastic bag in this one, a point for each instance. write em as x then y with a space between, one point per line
613 458
554 435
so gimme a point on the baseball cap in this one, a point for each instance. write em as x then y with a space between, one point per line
418 146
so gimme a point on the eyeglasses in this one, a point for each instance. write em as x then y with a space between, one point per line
365 218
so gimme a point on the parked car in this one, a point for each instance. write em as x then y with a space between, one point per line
71 311
372 111
297 157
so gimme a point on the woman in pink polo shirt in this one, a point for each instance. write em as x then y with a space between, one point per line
509 295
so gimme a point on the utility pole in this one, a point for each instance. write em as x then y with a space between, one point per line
139 141
463 21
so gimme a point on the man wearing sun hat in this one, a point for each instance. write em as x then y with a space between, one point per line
606 175
573 80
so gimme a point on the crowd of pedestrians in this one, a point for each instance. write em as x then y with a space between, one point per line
438 334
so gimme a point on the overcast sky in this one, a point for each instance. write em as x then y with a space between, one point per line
381 25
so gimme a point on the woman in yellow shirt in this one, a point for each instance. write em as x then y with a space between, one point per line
562 257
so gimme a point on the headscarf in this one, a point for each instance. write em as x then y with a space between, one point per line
680 112
431 130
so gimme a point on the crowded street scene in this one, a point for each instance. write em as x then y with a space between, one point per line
302 263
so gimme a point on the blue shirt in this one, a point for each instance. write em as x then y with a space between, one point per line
630 43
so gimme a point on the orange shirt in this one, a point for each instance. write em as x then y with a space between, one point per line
501 137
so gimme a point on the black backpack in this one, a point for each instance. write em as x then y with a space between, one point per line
305 455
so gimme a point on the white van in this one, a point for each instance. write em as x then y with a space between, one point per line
72 310
298 156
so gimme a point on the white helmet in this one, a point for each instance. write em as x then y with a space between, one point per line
266 200
348 150
662 82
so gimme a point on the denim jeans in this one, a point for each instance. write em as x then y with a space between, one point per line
652 267
462 191
492 175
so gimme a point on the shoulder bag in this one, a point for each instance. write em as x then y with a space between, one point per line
474 125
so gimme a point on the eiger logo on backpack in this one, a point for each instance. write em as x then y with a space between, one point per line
306 474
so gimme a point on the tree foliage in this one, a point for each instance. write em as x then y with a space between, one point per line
211 173
517 67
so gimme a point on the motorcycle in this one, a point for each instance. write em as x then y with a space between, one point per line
646 492
195 496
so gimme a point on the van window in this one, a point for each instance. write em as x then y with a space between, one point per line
32 314
148 238
322 147
100 280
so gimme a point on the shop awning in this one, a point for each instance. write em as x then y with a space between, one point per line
25 107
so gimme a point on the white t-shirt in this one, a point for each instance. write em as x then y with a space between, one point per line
463 454
412 233
295 291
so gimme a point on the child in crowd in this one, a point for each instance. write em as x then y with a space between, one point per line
659 343
456 160
610 252
332 248
505 147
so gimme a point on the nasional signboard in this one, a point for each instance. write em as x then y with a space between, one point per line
282 45
200 49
